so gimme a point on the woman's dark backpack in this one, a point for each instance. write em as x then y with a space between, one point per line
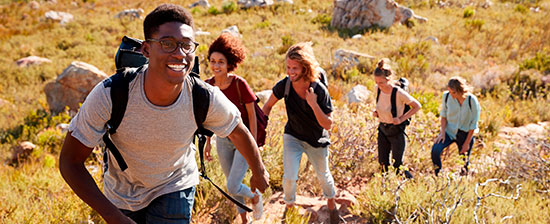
261 118
403 83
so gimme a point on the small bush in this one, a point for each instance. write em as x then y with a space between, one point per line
287 43
468 12
213 10
323 19
520 8
474 24
429 102
540 62
263 24
229 7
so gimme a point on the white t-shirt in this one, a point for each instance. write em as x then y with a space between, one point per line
155 141
383 107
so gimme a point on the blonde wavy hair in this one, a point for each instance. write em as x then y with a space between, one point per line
459 85
303 53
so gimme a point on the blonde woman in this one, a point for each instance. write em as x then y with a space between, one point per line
391 131
459 120
309 111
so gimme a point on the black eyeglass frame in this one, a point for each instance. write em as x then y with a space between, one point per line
178 45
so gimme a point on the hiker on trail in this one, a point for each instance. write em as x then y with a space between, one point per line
459 121
309 108
391 101
155 136
224 54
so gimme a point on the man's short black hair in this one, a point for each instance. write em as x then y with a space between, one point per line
163 14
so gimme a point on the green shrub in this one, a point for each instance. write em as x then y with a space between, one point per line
468 12
429 102
263 24
323 19
287 42
196 10
520 8
540 62
229 7
213 10
474 24
412 59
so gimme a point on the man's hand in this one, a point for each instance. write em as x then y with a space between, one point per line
311 97
260 182
375 113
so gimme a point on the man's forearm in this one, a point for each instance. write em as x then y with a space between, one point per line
82 183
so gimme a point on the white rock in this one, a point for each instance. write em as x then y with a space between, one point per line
358 94
32 60
203 3
130 13
234 30
62 17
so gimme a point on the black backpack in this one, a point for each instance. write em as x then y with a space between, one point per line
129 61
403 83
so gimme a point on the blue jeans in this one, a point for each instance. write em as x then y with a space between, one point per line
234 167
318 157
438 148
175 207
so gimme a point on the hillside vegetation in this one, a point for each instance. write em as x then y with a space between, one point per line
503 50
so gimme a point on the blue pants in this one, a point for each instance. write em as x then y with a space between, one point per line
234 166
170 208
293 149
438 148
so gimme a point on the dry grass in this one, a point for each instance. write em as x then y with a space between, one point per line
505 35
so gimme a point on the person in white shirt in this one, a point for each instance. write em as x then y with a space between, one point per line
391 131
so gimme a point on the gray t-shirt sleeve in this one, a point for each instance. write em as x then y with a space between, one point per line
88 126
223 116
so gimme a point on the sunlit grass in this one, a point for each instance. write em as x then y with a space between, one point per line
505 34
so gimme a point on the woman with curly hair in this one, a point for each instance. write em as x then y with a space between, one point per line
224 54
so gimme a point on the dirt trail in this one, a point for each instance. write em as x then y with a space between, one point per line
315 206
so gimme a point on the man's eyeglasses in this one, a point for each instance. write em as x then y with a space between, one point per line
170 46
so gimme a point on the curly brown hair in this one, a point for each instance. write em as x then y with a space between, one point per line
231 47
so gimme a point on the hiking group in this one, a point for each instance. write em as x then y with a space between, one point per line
149 116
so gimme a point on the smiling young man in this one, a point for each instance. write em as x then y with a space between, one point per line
309 109
156 133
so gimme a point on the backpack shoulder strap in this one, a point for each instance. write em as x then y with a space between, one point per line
287 87
120 87
239 91
201 93
446 99
314 85
323 76
393 102
377 94
470 102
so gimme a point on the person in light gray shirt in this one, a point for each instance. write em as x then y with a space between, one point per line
156 133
